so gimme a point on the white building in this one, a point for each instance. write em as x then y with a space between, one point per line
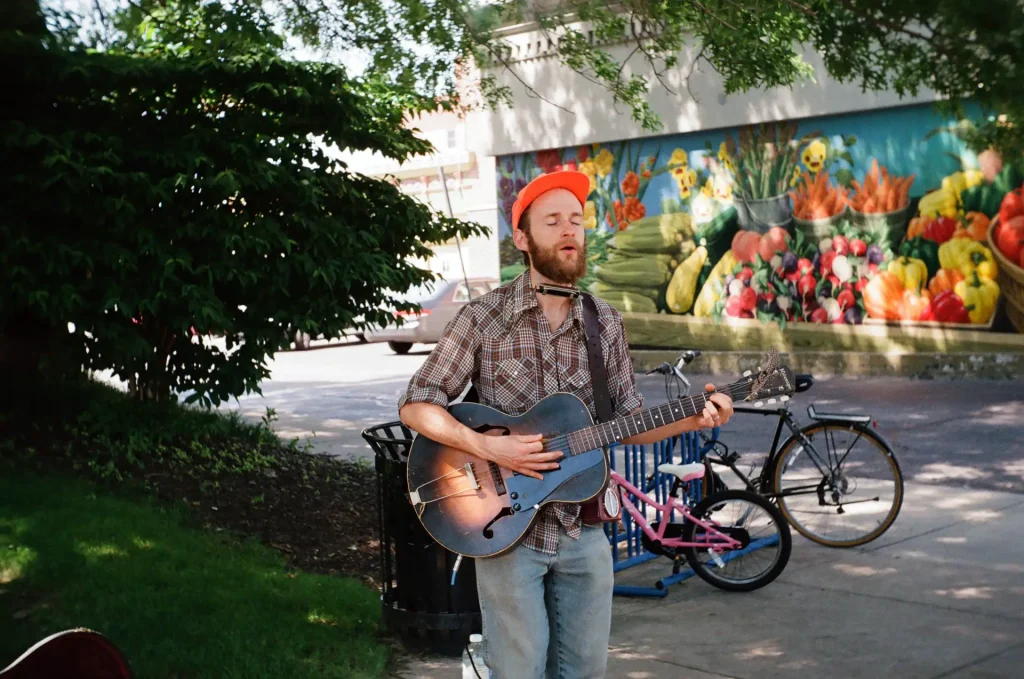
470 190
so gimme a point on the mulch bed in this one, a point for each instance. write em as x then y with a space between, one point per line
319 512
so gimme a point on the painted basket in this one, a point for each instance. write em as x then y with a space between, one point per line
1010 279
762 214
885 227
816 229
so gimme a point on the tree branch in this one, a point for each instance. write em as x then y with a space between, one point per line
693 65
650 57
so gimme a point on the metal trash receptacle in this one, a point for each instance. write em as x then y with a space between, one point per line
418 601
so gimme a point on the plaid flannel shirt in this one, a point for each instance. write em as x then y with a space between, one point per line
503 343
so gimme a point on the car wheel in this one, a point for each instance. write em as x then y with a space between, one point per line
400 347
302 340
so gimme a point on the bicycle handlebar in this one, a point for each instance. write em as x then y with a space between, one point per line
688 356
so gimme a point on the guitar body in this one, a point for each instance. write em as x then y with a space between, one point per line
495 516
72 654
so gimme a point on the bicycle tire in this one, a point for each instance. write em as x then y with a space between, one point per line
701 511
809 429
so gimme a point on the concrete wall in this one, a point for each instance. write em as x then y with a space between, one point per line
533 124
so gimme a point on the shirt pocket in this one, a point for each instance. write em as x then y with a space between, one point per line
577 381
515 384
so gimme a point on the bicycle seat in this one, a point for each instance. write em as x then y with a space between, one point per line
838 417
804 382
683 472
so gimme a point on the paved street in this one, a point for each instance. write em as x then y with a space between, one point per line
940 595
964 433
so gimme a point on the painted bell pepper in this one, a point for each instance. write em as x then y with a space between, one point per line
925 250
979 296
882 296
940 230
952 251
1012 205
913 305
912 273
977 257
975 227
917 226
945 279
947 307
939 203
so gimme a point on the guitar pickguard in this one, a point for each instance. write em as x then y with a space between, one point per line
526 490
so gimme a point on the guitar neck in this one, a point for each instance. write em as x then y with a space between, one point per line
600 435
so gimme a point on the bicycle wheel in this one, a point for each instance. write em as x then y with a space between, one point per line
843 491
762 531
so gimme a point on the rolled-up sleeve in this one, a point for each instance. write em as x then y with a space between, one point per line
621 377
449 367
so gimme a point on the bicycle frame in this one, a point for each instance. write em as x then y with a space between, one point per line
764 481
724 543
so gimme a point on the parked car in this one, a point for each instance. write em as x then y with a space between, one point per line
439 301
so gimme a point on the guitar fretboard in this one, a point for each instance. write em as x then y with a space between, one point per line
600 435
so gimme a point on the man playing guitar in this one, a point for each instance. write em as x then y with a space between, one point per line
546 603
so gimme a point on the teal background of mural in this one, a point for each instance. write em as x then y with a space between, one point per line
906 140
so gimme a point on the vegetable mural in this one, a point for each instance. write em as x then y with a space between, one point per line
842 224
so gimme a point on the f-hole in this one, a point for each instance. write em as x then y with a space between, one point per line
499 481
505 511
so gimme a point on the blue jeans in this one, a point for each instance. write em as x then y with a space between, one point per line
548 615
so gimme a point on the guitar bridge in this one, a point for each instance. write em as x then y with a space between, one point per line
467 472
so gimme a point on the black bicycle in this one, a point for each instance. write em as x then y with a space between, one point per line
836 480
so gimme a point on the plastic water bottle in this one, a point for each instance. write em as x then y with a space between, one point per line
476 649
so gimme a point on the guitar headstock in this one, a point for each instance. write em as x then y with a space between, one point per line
771 382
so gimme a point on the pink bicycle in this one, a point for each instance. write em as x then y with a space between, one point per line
734 539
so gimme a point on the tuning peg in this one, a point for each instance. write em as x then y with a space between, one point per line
759 404
771 400
746 374
783 398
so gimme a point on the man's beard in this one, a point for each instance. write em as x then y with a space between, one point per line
550 264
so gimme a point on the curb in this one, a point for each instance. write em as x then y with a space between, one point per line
992 366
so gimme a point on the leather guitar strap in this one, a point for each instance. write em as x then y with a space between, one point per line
599 377
594 512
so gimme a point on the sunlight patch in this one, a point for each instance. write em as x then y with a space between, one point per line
963 593
766 651
318 618
13 563
939 471
142 544
863 571
982 515
9 574
101 550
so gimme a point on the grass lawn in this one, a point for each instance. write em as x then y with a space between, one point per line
178 601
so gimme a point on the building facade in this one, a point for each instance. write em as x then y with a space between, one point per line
783 209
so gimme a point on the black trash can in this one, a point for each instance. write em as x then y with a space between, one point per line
419 603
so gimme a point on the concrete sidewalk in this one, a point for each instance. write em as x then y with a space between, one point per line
941 594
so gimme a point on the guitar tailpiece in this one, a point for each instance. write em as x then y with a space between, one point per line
466 471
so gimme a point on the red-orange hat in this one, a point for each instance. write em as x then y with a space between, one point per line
572 180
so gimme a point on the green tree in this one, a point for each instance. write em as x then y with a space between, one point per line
158 188
962 50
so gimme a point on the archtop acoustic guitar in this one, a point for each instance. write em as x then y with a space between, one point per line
476 508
